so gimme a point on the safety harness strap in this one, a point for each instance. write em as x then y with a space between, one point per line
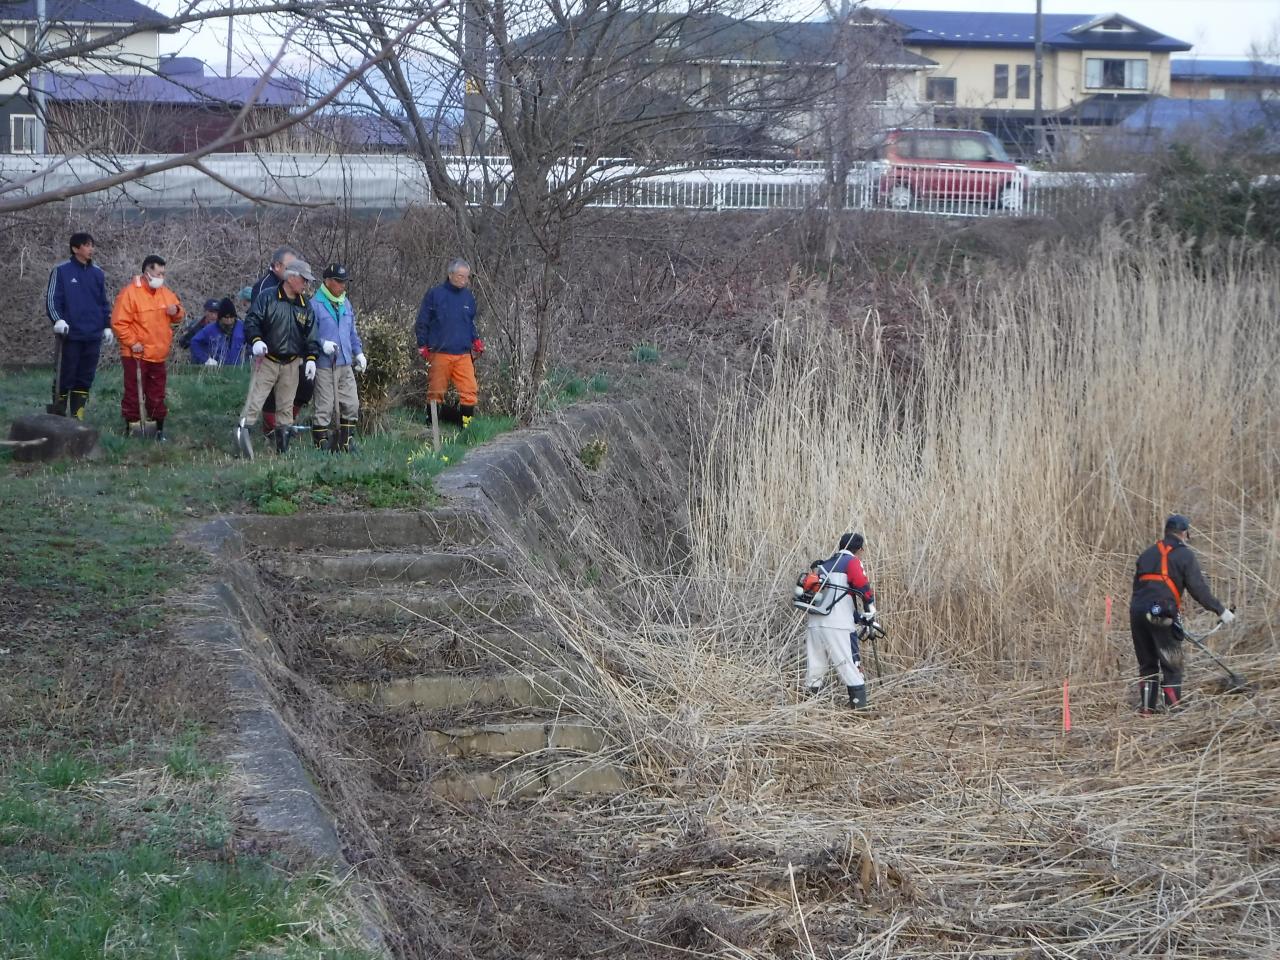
1163 575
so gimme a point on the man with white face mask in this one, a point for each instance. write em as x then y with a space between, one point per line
143 319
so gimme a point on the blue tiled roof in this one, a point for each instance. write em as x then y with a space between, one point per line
1197 69
983 29
1173 119
192 89
81 11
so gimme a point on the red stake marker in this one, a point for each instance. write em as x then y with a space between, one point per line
1108 616
1066 708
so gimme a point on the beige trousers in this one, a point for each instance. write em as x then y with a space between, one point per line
269 375
339 381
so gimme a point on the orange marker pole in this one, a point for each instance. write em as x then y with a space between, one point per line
1108 616
1066 707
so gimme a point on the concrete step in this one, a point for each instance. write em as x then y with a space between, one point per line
366 530
443 648
368 567
471 603
515 739
443 691
545 779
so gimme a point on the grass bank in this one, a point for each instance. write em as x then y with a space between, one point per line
117 835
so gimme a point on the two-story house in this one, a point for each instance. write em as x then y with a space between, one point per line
125 98
1096 68
1193 78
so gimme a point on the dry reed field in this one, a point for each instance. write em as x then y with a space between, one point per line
1005 484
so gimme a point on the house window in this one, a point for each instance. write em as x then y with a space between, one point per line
1115 74
1002 81
1022 90
22 133
940 89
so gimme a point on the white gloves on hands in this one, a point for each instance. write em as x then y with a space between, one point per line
60 327
362 363
211 362
1227 617
309 371
108 337
260 349
871 610
328 346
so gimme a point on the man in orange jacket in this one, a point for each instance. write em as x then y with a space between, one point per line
143 319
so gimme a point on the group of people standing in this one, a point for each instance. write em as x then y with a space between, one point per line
302 343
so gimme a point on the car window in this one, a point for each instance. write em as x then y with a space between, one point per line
932 148
970 149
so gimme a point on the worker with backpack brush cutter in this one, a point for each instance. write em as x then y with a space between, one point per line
826 593
1163 574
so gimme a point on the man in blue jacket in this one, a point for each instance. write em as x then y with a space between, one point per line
447 340
339 357
77 305
220 344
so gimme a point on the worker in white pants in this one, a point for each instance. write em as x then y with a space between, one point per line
832 640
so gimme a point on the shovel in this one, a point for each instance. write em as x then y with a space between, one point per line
57 376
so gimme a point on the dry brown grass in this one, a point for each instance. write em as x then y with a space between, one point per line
1005 486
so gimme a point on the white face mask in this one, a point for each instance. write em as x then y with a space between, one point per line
156 282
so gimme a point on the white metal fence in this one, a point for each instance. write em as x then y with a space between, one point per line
393 182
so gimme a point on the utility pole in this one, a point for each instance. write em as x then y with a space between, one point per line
231 26
473 65
1039 82
37 81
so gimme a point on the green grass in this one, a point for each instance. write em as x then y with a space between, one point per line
646 353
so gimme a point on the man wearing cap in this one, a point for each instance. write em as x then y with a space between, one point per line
76 301
832 636
447 339
277 330
1165 572
336 346
281 257
208 318
220 344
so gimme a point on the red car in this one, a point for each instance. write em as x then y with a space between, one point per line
928 169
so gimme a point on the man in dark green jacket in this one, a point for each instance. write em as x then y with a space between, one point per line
277 330
1165 573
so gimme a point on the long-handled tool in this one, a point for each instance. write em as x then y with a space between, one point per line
58 341
871 632
1236 683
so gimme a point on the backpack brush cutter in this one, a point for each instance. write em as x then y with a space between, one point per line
1233 683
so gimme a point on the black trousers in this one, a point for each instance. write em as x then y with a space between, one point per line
79 364
1159 653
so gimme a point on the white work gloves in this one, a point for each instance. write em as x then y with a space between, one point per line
108 337
211 362
260 349
1227 617
328 346
362 363
871 610
60 327
309 371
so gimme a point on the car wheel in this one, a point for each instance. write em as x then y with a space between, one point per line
1011 197
899 197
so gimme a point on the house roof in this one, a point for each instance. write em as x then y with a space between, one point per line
374 130
1171 116
183 82
82 11
955 28
713 37
1193 68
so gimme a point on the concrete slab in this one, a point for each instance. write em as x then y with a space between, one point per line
390 605
370 529
365 567
515 739
515 782
442 691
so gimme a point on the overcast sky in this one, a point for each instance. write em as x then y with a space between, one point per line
1217 28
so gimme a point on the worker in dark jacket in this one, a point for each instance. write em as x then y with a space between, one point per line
221 344
277 330
1165 573
281 257
447 340
76 302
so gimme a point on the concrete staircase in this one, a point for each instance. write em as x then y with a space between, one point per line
426 635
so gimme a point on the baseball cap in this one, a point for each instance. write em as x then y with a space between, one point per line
300 268
336 271
211 306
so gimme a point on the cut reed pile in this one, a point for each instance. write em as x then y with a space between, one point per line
1005 485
